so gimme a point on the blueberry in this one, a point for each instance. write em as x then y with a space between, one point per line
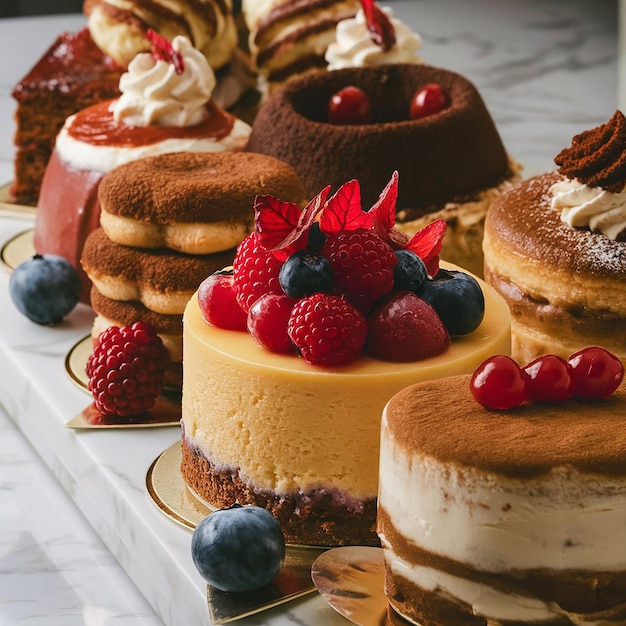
305 273
316 238
458 300
45 288
238 549
410 273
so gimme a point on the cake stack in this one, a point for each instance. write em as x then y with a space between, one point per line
168 222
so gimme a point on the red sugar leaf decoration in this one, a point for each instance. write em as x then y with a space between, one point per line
274 219
343 211
384 215
380 27
427 242
297 239
162 50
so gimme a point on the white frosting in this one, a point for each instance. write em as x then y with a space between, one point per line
354 46
153 93
559 521
582 206
101 158
484 600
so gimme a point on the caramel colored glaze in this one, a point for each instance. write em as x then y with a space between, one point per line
197 187
443 156
524 442
597 157
163 270
305 518
72 63
524 225
95 125
127 313
574 591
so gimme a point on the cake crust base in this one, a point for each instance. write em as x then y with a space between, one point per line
305 518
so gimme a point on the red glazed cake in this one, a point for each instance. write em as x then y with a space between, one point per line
71 75
179 116
452 163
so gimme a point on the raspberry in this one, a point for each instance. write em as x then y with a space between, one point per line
327 330
126 369
362 265
256 271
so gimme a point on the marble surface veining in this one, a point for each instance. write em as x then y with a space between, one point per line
76 525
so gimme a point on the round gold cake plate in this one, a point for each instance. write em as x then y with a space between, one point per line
10 208
168 491
17 249
76 362
352 580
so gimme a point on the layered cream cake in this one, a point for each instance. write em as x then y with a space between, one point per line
302 441
555 249
503 517
160 111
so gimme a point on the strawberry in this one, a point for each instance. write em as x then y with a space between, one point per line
327 330
127 369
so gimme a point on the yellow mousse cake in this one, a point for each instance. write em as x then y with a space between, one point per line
302 441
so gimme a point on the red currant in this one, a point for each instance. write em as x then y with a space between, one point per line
267 322
218 303
499 383
428 100
350 105
548 379
596 372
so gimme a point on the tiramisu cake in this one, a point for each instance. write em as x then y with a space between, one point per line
445 145
503 517
165 106
299 435
154 249
555 248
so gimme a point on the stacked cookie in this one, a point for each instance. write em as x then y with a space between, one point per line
167 222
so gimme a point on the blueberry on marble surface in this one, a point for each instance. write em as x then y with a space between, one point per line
238 549
45 288
458 300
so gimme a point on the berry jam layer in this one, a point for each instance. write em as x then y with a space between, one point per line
318 517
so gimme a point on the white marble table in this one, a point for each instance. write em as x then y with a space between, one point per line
80 540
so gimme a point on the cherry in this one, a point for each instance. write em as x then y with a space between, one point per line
596 372
267 322
431 98
548 379
349 105
218 303
499 383
379 26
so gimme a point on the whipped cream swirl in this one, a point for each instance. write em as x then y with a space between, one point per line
354 46
593 192
153 93
595 208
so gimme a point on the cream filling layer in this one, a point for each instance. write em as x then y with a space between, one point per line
188 237
562 520
86 156
484 600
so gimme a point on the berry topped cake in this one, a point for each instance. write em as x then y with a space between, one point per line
290 356
165 106
429 124
555 248
509 510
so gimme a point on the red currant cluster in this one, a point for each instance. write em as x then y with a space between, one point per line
351 105
500 383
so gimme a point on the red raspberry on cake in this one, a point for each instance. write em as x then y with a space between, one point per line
127 369
327 330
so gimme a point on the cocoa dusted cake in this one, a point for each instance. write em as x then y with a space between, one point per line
555 248
507 516
451 162
71 75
